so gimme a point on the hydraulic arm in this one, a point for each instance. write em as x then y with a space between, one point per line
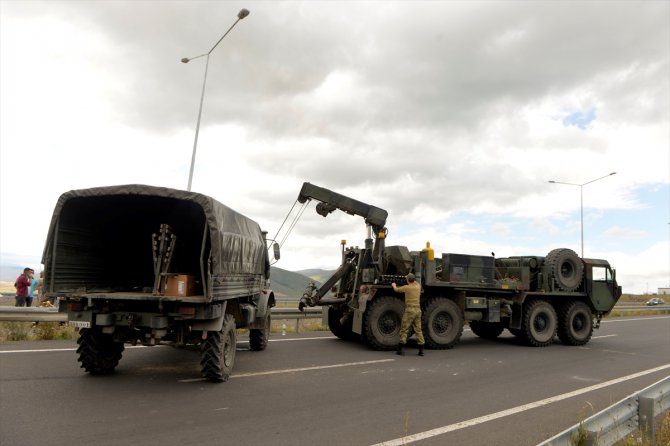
371 256
329 201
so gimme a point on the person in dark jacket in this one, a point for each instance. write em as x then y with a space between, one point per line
22 286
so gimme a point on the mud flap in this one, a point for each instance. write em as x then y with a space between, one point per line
215 324
262 302
517 313
359 313
357 326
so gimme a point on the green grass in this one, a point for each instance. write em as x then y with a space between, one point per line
30 331
661 428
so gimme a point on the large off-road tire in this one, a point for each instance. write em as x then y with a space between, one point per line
258 337
342 331
98 353
539 323
566 267
383 319
218 351
575 323
442 323
486 330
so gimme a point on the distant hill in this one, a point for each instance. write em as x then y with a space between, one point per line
11 266
288 284
319 275
285 284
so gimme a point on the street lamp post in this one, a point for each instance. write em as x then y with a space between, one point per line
240 15
581 200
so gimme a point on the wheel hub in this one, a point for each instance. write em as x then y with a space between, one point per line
441 323
387 323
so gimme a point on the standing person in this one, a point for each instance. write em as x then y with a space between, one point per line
31 290
412 313
22 286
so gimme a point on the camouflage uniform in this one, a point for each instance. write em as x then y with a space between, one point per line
412 315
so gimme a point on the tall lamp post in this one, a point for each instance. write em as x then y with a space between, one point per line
240 15
581 199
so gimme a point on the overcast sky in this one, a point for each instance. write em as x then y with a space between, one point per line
451 115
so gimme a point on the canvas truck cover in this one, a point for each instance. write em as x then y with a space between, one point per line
101 237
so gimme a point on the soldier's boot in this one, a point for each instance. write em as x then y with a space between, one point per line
421 350
400 351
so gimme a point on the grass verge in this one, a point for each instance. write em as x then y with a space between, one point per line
31 331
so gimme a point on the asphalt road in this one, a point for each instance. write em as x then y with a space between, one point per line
313 389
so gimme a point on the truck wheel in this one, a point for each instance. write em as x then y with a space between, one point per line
566 267
258 337
442 323
539 323
575 323
382 322
486 330
342 331
218 351
98 353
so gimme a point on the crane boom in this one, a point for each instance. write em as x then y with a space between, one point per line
329 201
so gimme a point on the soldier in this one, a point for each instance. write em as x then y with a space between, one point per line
412 313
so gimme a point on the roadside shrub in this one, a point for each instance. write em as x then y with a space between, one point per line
15 331
30 331
48 331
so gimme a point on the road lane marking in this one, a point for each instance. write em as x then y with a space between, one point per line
43 350
307 369
300 339
312 338
40 351
607 321
604 336
514 410
301 369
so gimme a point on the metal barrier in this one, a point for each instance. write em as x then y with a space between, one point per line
635 412
46 314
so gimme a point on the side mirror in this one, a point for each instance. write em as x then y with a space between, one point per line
275 250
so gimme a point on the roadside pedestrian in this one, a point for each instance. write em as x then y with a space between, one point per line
412 314
22 285
31 290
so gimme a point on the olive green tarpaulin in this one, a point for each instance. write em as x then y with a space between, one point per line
236 242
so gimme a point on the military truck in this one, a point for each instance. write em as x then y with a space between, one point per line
138 264
533 297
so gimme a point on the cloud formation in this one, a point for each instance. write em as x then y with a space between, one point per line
451 115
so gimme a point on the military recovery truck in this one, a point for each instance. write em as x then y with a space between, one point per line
147 265
533 297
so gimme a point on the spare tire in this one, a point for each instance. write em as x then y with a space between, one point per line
566 268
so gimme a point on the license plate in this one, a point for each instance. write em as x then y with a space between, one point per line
79 324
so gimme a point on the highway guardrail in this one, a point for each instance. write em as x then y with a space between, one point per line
46 314
636 412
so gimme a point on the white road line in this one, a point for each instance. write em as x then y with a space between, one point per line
40 351
607 321
604 336
43 350
306 369
301 339
301 369
514 410
314 338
